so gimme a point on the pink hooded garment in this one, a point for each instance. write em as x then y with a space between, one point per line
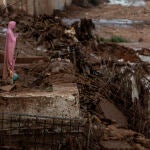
10 44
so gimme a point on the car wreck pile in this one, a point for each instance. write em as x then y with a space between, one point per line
113 82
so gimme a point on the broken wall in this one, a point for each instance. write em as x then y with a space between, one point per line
46 6
38 7
60 5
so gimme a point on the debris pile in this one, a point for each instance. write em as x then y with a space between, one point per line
84 29
48 31
108 76
43 74
112 76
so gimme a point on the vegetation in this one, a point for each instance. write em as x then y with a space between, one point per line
118 39
114 39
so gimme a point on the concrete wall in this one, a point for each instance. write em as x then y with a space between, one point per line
62 102
38 7
68 2
46 6
61 4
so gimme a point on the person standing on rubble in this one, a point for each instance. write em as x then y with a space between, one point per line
9 57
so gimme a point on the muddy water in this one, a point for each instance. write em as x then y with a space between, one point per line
2 37
128 2
104 22
3 31
145 58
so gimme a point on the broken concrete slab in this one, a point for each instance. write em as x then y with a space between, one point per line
113 113
62 102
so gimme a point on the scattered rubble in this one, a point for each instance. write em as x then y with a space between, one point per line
103 73
43 74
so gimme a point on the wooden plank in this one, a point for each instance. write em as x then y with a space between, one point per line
25 60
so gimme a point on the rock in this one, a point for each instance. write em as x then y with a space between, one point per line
113 113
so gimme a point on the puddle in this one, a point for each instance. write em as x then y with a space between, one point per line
3 31
116 22
135 3
145 58
104 22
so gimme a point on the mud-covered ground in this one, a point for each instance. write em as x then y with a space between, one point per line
106 75
106 11
133 33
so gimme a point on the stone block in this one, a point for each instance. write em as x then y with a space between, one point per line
62 102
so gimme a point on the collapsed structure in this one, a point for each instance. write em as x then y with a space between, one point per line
112 81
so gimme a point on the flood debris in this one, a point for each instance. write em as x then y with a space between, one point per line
109 81
84 29
109 77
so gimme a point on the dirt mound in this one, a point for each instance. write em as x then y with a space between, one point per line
119 52
42 75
